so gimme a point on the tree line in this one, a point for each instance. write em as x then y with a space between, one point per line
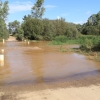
34 27
92 26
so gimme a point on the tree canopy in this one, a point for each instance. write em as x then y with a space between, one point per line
3 16
37 10
13 26
92 26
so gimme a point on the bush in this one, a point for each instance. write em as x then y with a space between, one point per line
89 42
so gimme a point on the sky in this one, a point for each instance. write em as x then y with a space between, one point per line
75 11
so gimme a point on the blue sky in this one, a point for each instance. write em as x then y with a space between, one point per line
76 11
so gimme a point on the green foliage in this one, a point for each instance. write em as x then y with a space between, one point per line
49 30
91 30
89 42
27 17
3 30
71 31
86 44
59 40
33 29
60 26
37 10
92 26
3 10
62 39
19 34
13 27
3 15
79 28
36 29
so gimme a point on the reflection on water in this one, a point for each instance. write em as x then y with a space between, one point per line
1 60
37 62
37 66
1 63
4 67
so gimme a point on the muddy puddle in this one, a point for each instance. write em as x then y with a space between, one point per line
38 62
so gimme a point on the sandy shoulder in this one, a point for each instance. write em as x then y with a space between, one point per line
81 93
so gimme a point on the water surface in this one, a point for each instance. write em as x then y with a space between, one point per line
38 62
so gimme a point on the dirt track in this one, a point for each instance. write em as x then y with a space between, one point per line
11 38
72 93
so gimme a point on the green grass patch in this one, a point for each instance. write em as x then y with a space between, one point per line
59 40
85 41
89 45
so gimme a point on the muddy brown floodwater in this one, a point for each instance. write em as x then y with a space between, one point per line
39 63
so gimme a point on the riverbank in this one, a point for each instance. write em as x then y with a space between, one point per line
78 89
72 93
82 93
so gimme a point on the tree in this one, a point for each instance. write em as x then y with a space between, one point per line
60 26
13 26
79 27
71 31
92 26
92 20
19 33
33 29
3 16
3 10
98 18
27 17
37 10
49 31
3 30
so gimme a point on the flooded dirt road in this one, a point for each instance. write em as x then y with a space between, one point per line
39 63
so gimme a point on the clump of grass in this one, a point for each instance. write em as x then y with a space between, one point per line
59 40
94 56
63 49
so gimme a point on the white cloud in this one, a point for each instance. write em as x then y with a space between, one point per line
80 22
88 12
24 6
58 17
20 6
